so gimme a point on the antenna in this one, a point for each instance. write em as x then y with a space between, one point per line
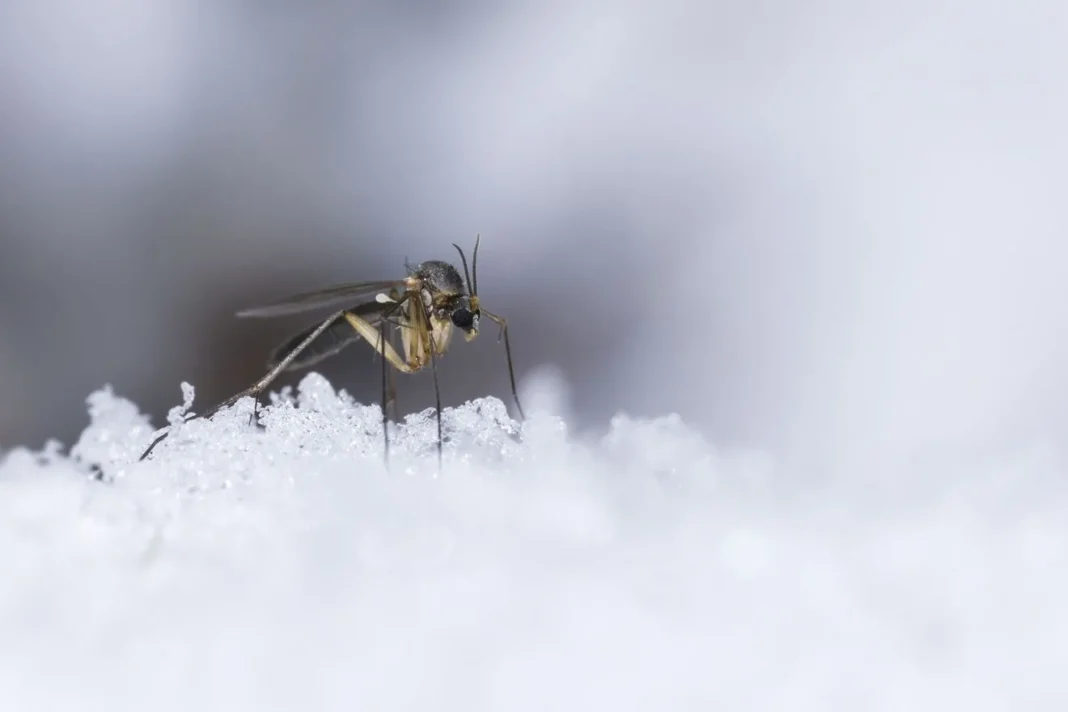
474 266
467 274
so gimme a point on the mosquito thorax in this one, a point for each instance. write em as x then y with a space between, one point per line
440 277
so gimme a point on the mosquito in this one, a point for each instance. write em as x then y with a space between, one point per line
425 309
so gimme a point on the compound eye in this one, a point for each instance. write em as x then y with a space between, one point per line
463 318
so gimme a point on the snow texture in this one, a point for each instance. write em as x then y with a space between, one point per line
282 567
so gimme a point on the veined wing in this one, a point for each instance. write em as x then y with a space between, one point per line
336 337
337 295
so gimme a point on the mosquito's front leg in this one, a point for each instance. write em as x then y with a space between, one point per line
508 355
391 394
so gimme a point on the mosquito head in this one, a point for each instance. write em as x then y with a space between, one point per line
465 311
465 316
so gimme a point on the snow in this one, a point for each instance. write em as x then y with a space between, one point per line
283 567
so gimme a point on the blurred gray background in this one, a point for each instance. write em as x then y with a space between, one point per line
830 230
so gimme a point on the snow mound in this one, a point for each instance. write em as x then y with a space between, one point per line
281 566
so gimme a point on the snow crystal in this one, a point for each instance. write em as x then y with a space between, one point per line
274 562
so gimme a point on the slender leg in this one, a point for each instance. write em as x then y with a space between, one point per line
508 355
391 393
437 397
385 409
390 401
259 386
377 337
431 347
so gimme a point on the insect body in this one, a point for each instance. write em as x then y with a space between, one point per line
426 308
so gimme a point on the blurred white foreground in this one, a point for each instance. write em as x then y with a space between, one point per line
284 568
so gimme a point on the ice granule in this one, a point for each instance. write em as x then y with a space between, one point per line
277 564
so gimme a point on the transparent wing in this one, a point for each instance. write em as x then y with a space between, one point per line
336 337
330 296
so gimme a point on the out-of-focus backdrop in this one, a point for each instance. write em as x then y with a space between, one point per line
827 229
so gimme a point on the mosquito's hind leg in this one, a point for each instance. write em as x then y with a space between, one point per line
256 388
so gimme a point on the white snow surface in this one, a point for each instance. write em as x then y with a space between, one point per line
283 567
